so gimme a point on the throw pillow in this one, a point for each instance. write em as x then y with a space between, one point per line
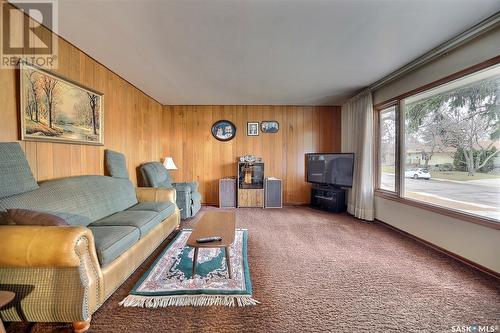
32 217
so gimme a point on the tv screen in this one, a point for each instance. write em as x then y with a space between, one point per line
330 168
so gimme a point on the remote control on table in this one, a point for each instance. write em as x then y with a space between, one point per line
209 239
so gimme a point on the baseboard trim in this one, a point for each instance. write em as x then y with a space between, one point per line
440 249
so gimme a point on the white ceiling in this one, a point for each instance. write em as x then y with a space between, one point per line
261 52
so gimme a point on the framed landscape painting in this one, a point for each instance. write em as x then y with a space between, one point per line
56 109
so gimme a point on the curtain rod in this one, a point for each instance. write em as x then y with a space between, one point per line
451 44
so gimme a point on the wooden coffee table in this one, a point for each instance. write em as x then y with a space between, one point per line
221 224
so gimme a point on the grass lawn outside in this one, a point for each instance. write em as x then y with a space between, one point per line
462 175
450 175
388 169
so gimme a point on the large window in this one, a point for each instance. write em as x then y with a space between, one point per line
449 144
387 149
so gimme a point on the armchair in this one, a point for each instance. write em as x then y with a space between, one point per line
188 200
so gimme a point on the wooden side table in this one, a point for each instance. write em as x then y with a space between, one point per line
5 298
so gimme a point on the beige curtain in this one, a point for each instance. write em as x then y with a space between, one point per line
357 138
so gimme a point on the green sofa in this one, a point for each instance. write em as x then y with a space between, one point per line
64 273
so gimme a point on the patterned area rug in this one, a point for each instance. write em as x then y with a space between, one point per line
168 282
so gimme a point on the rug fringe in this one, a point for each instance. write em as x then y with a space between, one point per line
187 300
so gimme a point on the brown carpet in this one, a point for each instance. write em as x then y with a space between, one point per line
314 272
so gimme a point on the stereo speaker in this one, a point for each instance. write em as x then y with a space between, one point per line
227 193
273 193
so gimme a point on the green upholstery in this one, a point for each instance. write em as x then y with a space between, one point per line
155 175
196 202
165 209
186 186
99 202
70 285
116 164
196 196
15 172
182 187
112 241
83 198
188 199
142 220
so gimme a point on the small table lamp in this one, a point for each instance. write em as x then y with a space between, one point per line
169 164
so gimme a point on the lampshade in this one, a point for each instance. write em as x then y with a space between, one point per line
169 163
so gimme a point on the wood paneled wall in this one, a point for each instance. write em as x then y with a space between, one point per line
132 122
201 157
144 130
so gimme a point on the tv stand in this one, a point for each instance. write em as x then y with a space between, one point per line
329 198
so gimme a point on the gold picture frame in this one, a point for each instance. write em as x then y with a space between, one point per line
55 109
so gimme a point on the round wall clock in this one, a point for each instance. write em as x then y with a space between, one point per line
223 130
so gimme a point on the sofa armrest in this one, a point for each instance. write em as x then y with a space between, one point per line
182 187
193 186
52 260
156 194
45 246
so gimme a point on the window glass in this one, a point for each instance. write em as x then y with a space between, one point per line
387 149
451 143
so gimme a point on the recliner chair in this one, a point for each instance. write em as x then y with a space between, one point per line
154 174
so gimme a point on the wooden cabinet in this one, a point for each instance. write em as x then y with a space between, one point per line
251 198
251 184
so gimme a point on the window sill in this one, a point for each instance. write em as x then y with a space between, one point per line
386 194
490 223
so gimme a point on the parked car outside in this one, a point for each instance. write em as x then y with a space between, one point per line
417 173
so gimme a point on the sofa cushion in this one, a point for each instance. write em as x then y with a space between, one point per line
15 172
144 221
164 209
116 164
112 241
80 199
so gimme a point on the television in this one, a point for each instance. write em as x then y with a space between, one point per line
330 168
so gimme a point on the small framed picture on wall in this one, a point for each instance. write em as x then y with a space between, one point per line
223 130
270 126
252 129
